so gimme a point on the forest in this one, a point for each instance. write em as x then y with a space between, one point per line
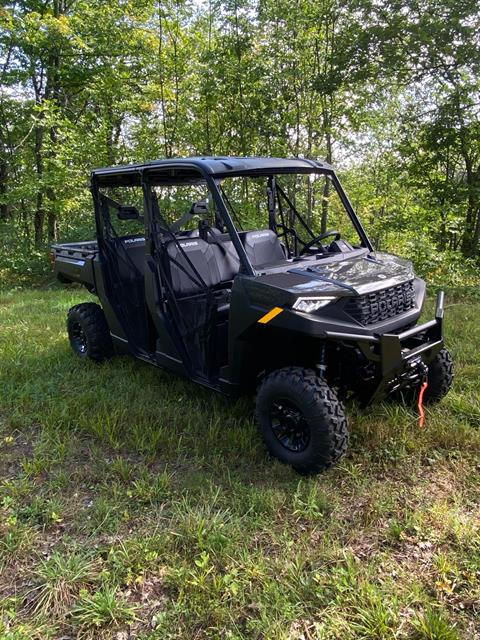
386 90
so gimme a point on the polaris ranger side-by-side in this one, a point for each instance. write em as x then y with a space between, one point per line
247 274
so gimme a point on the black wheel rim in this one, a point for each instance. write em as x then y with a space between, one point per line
289 426
78 338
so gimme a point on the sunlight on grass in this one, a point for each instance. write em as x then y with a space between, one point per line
131 500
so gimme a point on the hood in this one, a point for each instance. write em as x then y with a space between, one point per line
358 275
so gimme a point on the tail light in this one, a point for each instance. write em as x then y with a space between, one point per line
51 256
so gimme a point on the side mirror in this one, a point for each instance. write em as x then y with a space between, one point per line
126 212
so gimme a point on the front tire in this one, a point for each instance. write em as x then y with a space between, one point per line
88 332
301 420
440 377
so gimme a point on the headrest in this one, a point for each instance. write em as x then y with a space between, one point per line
199 208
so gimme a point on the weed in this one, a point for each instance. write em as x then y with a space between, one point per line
128 562
374 617
309 502
59 580
150 488
432 625
101 608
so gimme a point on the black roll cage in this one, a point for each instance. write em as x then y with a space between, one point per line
144 176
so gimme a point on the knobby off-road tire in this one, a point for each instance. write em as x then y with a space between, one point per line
440 377
88 332
293 401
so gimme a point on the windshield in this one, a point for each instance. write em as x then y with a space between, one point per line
299 207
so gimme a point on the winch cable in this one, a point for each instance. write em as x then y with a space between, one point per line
421 411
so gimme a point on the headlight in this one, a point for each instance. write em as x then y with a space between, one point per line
309 305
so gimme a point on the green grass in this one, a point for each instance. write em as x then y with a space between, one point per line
135 502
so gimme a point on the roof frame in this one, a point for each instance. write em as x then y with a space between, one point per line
215 166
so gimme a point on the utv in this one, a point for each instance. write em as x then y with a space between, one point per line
247 274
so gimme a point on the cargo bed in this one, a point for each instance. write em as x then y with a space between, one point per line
73 262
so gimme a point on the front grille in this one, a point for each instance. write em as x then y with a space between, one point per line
382 305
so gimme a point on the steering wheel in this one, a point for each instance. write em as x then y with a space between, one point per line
319 238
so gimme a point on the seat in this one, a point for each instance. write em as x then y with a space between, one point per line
216 264
226 255
263 247
135 249
201 254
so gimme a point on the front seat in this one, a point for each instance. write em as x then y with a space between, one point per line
263 247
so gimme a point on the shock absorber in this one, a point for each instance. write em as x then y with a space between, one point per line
322 365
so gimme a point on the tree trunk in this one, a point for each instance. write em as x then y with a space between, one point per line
52 226
471 232
161 77
327 186
241 101
25 220
4 210
208 144
476 236
51 216
38 219
39 215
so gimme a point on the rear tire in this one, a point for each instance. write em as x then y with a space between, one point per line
88 332
302 420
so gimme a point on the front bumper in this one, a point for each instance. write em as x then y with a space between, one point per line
400 358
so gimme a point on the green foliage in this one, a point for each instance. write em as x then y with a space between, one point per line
387 91
21 262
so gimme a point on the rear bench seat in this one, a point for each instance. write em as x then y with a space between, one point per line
135 248
214 265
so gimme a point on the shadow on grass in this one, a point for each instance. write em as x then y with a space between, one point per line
139 410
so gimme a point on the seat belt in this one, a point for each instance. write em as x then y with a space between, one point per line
178 224
215 240
197 209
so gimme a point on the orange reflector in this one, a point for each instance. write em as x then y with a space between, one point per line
270 315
